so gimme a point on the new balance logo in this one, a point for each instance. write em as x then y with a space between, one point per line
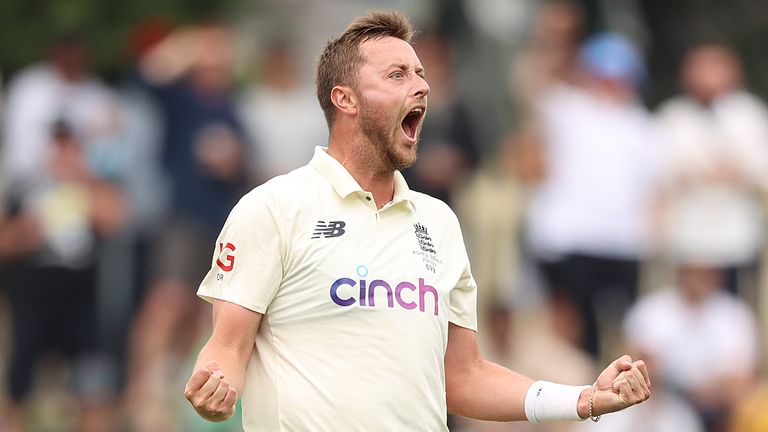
329 229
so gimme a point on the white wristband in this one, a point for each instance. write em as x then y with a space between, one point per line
547 402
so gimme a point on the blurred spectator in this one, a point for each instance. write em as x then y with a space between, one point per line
703 340
715 178
492 237
59 88
204 153
570 144
588 219
548 58
550 54
54 222
281 116
447 151
60 204
142 131
127 255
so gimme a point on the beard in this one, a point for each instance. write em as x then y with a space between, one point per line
383 133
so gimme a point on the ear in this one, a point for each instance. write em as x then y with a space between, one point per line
345 99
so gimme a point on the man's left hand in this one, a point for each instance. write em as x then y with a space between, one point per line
622 384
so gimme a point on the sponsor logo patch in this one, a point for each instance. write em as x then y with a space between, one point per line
329 229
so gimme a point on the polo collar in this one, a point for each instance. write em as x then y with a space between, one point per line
343 182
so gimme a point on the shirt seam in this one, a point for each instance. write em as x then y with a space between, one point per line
216 294
275 213
277 374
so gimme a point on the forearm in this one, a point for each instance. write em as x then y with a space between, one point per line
491 392
232 360
487 391
219 375
483 390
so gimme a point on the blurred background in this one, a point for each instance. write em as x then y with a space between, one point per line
608 161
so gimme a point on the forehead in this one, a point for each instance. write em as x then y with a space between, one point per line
383 52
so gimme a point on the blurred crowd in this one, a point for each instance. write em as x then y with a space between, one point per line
595 225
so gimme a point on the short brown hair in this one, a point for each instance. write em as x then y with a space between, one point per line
341 57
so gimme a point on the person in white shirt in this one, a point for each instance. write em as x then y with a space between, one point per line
342 300
58 88
588 222
703 340
270 110
716 169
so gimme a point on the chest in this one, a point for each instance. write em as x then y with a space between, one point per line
352 262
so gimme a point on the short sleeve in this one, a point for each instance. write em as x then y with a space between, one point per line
463 311
247 264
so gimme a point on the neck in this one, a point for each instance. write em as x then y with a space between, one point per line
366 165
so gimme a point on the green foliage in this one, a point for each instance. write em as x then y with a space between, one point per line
27 26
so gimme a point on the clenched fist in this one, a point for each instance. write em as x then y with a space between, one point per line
210 394
622 384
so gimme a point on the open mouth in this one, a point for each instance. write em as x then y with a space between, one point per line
411 122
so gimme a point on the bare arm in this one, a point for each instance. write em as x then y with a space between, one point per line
484 390
219 373
478 388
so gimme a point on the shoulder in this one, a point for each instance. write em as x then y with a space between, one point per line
98 88
559 94
727 303
744 103
675 104
679 114
433 206
682 115
659 302
36 77
32 74
284 189
287 195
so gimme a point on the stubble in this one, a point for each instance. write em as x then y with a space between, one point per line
383 132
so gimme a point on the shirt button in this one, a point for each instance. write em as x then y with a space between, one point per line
368 198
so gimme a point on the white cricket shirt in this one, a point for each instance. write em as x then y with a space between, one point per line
356 301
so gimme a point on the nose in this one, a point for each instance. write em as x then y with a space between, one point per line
421 88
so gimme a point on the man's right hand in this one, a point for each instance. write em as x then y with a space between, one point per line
210 394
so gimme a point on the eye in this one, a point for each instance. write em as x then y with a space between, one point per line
398 75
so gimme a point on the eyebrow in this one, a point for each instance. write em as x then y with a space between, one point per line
419 70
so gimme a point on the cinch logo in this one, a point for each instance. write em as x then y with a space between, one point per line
330 229
226 256
367 291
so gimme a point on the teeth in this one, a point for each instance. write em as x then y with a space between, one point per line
417 110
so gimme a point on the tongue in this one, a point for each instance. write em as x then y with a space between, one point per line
407 128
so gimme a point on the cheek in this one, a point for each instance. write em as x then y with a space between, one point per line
381 100
378 114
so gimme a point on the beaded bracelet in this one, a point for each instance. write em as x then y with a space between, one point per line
592 417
